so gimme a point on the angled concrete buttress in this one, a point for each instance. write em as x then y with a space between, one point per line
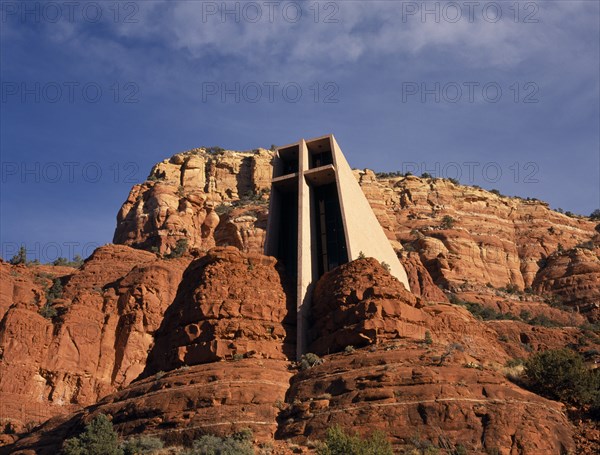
319 218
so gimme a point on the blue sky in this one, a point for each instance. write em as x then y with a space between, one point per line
94 94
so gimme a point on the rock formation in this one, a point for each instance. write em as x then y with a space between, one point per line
98 339
186 196
229 305
178 342
461 233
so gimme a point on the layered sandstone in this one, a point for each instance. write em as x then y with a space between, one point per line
229 304
98 340
573 277
186 196
183 347
404 391
219 364
493 239
179 406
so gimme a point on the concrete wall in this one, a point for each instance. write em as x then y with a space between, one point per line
361 228
363 231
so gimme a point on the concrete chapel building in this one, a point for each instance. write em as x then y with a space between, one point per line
319 218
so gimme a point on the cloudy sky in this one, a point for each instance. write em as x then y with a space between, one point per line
500 94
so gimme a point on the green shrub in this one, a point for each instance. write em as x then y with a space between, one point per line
98 438
447 222
544 321
561 374
595 215
20 257
349 349
55 291
309 360
214 150
428 338
485 313
141 445
180 248
386 266
340 443
48 311
239 443
76 262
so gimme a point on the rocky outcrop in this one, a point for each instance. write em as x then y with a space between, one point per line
488 238
229 305
94 343
202 344
406 392
219 363
179 406
573 277
461 233
186 196
419 279
353 308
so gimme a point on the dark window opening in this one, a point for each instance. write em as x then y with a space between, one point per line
287 249
290 166
331 242
289 160
319 159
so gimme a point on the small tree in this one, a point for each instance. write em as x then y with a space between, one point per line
20 257
447 222
60 261
340 443
141 445
98 438
55 291
239 443
595 215
428 338
180 248
561 374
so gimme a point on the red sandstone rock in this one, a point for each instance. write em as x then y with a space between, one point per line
405 393
573 276
229 304
98 342
183 195
233 303
419 279
179 406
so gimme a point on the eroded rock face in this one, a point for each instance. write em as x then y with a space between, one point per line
405 393
360 303
573 276
229 304
224 330
179 406
186 196
419 279
493 239
220 362
99 339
